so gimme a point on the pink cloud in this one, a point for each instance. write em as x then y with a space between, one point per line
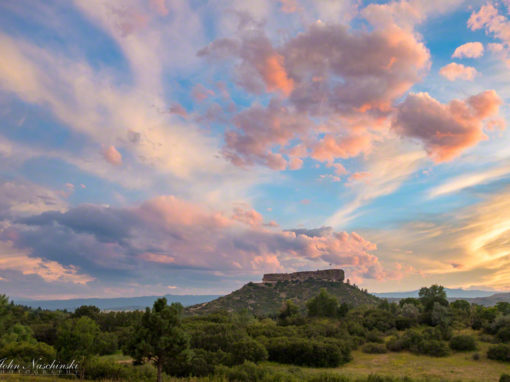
469 50
329 148
498 25
159 6
454 71
201 93
112 156
247 216
289 6
178 110
359 176
157 258
275 76
446 130
347 80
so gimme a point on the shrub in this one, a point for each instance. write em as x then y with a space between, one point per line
504 378
374 348
476 357
499 352
248 349
26 352
434 348
300 351
463 343
504 334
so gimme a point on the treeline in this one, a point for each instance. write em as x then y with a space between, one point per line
232 345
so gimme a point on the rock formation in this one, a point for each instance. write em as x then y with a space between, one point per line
336 275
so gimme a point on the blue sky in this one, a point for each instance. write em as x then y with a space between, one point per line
167 146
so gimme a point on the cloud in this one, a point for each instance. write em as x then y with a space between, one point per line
388 167
23 198
469 180
462 248
469 50
488 18
112 156
454 71
13 259
165 233
337 80
446 130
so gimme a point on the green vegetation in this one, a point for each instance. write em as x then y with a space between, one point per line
267 299
320 339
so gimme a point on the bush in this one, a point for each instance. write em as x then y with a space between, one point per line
504 378
26 352
248 349
499 352
476 357
504 334
434 348
374 348
305 352
463 343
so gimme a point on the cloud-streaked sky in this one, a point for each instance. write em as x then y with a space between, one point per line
175 146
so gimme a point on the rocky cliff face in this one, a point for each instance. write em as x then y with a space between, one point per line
335 275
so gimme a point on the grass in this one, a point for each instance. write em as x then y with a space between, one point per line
458 366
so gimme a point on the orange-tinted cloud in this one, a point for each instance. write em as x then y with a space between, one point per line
446 130
275 76
112 155
454 71
329 148
469 50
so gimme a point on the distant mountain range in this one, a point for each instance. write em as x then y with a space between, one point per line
256 298
451 293
121 303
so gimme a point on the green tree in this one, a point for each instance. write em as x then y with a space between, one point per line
90 311
160 338
429 296
77 340
323 305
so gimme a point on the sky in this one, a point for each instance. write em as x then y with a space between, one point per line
153 147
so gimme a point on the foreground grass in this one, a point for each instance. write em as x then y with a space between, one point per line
458 366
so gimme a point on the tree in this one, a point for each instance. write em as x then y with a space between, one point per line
90 311
159 338
323 305
429 296
288 311
77 340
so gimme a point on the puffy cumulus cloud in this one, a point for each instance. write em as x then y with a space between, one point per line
19 260
260 132
112 155
446 130
454 71
329 148
337 80
407 13
167 233
469 50
489 18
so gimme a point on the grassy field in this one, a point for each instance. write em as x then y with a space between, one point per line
456 367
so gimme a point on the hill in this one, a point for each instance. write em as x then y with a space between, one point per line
490 300
451 293
121 303
267 298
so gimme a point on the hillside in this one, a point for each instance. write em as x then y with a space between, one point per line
490 300
267 299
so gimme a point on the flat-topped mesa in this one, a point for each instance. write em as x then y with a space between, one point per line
336 275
